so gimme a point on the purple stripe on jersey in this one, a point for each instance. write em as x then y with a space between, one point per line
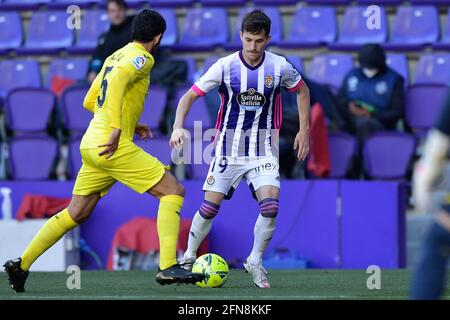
269 70
276 109
249 116
233 116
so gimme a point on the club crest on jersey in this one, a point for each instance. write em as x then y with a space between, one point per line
138 62
251 100
210 181
268 81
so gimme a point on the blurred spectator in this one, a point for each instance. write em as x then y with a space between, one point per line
118 35
371 97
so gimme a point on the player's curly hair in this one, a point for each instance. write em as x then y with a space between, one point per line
147 24
255 22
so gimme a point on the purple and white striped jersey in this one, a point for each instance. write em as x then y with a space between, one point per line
250 101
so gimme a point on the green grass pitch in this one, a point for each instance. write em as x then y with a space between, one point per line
296 284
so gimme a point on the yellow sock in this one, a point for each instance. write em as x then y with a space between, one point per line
48 235
168 227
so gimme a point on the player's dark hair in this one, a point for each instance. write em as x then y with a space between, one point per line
255 22
119 3
147 24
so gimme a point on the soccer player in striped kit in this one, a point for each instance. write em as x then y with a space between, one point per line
250 82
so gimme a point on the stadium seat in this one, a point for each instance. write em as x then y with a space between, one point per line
276 29
158 147
74 161
29 110
67 68
63 4
433 68
75 118
328 2
413 28
42 151
399 63
198 112
311 27
380 2
154 107
94 23
297 63
354 31
342 148
18 73
22 4
47 33
433 2
11 35
274 2
222 3
171 35
330 69
423 104
170 3
204 28
387 154
444 44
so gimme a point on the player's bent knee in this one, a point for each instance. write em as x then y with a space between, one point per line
269 207
208 209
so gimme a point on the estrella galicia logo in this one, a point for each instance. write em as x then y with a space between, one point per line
251 100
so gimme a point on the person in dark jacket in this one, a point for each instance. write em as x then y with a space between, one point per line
118 35
371 97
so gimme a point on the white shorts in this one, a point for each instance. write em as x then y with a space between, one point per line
225 173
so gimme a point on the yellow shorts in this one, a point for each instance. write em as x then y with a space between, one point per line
129 165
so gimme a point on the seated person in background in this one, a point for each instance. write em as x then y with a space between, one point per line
371 97
118 35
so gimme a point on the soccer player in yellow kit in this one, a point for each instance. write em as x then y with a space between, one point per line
116 97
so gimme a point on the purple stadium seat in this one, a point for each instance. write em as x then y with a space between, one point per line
22 4
170 3
328 2
204 28
74 161
43 152
276 27
387 155
222 3
311 27
354 31
171 35
433 69
399 63
47 33
433 2
198 112
342 148
75 118
29 110
18 73
444 44
380 2
297 63
423 104
330 69
413 28
158 147
154 107
67 68
11 34
63 4
93 23
274 2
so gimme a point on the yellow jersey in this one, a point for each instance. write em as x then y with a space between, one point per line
117 95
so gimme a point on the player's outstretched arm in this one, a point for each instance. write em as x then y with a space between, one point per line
184 105
301 142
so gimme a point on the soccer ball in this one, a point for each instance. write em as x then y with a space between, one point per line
215 269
